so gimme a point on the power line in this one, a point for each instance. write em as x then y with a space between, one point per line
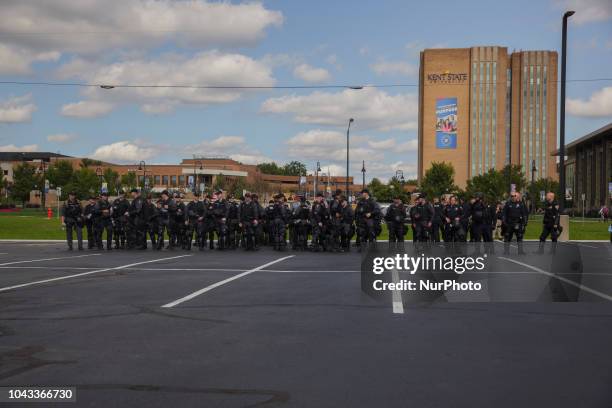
246 87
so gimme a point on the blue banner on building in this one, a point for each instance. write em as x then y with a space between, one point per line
446 123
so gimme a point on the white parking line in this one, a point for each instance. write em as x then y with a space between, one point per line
46 259
87 273
396 295
562 279
223 282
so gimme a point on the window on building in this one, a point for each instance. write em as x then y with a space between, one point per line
181 180
5 172
164 180
157 180
173 181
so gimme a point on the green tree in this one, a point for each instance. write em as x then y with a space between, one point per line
111 177
492 184
221 182
270 168
129 181
61 175
294 168
90 162
85 182
25 179
513 174
544 184
439 179
379 190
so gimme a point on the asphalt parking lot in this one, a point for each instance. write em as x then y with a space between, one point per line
235 329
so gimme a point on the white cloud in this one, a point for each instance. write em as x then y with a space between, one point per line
317 137
13 148
382 144
17 109
587 11
408 146
329 145
61 138
309 73
333 60
371 108
211 68
394 68
599 104
124 151
224 142
17 61
86 109
250 158
95 25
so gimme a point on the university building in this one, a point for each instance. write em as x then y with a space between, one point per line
482 108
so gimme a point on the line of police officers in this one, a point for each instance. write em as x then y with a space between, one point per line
330 224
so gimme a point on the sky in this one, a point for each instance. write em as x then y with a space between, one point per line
269 43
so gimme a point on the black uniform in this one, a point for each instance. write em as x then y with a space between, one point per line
550 223
151 223
301 225
166 219
103 222
220 211
277 218
437 221
119 208
89 224
515 219
347 227
482 221
396 222
233 221
335 225
196 212
137 238
319 215
367 218
453 228
249 218
73 218
420 217
178 227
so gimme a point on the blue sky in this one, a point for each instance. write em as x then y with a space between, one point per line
269 43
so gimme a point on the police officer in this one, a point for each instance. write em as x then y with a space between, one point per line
89 221
278 219
346 224
72 218
233 221
335 222
395 218
249 219
438 220
318 220
151 225
119 208
550 222
136 215
482 218
103 222
166 214
453 226
301 219
220 211
196 214
367 217
421 216
177 228
515 218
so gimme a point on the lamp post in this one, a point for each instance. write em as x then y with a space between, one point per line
44 182
533 171
316 181
363 171
195 177
348 129
142 166
567 15
399 176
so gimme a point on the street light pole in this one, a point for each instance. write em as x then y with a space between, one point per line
44 183
348 129
363 171
143 166
567 15
533 170
316 183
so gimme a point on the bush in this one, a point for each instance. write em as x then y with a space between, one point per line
30 205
